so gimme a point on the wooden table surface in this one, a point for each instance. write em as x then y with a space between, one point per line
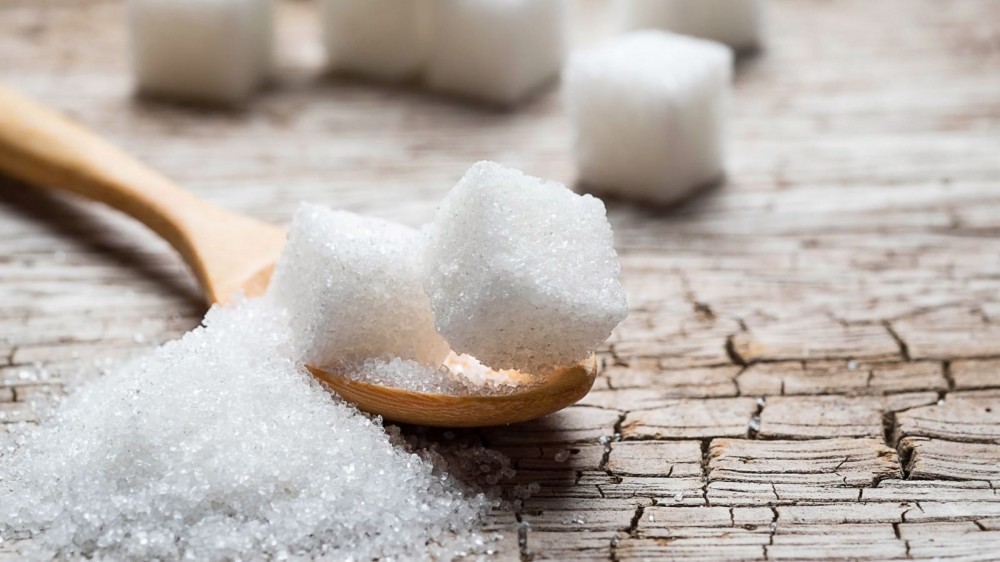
811 367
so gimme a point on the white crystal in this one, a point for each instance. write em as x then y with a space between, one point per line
219 446
352 286
459 375
522 273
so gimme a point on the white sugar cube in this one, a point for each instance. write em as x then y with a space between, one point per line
496 51
214 51
384 39
352 286
736 23
648 113
522 273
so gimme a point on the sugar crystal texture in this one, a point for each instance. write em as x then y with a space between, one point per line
353 289
384 39
460 375
219 446
737 23
648 113
522 273
212 51
496 51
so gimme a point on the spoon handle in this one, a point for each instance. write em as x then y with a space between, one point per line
41 147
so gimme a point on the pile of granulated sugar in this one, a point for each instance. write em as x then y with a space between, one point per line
219 446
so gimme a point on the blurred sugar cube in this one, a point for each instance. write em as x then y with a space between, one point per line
202 50
496 51
737 23
648 114
352 287
384 39
521 272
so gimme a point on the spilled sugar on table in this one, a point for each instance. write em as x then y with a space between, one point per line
811 367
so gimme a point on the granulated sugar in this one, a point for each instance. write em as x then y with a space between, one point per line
219 446
459 375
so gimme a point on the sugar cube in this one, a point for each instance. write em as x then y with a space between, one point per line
496 51
648 114
384 39
736 23
353 289
213 51
521 272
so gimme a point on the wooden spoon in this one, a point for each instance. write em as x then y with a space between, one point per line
229 253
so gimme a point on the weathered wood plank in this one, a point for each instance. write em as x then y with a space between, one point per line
938 458
831 462
660 549
814 338
691 419
655 458
923 491
707 382
974 374
672 491
851 542
573 425
957 419
949 333
805 417
840 377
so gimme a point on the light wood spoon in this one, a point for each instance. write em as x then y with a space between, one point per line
229 253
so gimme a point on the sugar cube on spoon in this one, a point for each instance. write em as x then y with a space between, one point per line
352 287
521 272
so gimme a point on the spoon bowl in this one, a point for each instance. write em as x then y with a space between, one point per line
554 391
231 253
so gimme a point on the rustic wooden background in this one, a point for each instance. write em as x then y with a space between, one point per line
811 368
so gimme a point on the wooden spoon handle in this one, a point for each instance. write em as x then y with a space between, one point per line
226 252
43 148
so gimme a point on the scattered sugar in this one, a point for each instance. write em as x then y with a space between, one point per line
353 290
607 440
459 375
521 273
219 446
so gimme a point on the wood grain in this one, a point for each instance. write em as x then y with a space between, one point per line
847 273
